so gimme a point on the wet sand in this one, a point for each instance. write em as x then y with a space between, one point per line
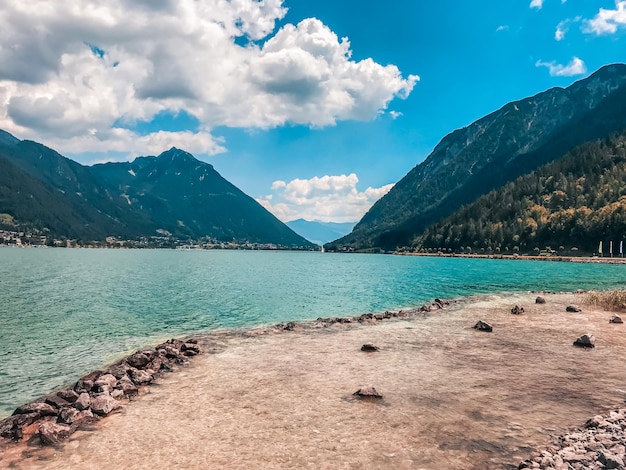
454 397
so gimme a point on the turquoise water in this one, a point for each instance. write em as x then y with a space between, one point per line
65 312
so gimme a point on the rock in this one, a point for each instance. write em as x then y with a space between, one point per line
85 384
117 394
119 370
104 404
290 326
105 383
75 420
139 360
42 409
595 422
68 395
616 319
68 415
585 341
609 460
517 310
52 433
16 433
540 300
155 365
11 427
573 308
83 402
367 392
483 326
194 350
56 401
369 348
171 352
140 377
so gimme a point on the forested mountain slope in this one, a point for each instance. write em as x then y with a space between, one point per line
576 201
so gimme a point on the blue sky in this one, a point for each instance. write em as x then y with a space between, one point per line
310 124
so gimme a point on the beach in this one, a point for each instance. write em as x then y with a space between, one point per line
453 397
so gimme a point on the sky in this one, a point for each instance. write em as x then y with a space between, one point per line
314 108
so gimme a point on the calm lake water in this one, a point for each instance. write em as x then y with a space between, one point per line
65 312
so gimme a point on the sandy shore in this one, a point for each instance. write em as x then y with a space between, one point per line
454 397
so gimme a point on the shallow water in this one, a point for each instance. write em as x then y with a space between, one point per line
454 398
65 312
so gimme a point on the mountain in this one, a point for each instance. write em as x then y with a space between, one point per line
490 152
573 202
44 191
188 198
320 232
41 189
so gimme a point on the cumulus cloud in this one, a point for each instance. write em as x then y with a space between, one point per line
326 198
575 67
536 4
607 21
71 73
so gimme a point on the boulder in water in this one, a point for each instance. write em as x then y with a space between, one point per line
585 341
367 392
483 326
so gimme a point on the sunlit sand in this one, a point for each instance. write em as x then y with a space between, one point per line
454 397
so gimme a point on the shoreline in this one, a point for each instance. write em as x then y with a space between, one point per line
563 259
328 337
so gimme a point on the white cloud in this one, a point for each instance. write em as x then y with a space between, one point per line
575 67
395 114
536 4
70 73
326 198
607 21
502 27
561 29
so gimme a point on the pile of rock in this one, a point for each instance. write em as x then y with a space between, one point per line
600 444
437 304
55 417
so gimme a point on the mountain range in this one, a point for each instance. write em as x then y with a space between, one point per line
496 149
447 201
173 194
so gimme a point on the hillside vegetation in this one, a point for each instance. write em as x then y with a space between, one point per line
570 204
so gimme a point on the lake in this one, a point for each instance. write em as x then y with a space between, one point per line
65 312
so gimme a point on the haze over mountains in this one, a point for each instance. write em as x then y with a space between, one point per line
320 232
508 143
173 193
